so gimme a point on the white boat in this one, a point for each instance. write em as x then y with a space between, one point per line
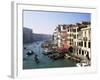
81 64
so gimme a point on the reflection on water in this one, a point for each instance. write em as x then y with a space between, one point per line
44 62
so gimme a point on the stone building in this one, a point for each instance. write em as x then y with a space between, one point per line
27 35
60 36
78 36
84 43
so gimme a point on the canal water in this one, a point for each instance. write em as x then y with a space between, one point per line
44 61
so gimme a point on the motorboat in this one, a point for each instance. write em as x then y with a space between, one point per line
82 64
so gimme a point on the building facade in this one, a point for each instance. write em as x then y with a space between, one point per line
84 43
60 36
77 36
27 35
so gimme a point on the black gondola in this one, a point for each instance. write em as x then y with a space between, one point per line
29 53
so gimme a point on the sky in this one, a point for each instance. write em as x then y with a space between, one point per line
44 22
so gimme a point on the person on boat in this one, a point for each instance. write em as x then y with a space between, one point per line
36 59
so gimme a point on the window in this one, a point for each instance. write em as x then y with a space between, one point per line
74 36
89 44
64 26
79 51
85 44
80 43
74 30
78 29
71 35
88 55
82 52
71 40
